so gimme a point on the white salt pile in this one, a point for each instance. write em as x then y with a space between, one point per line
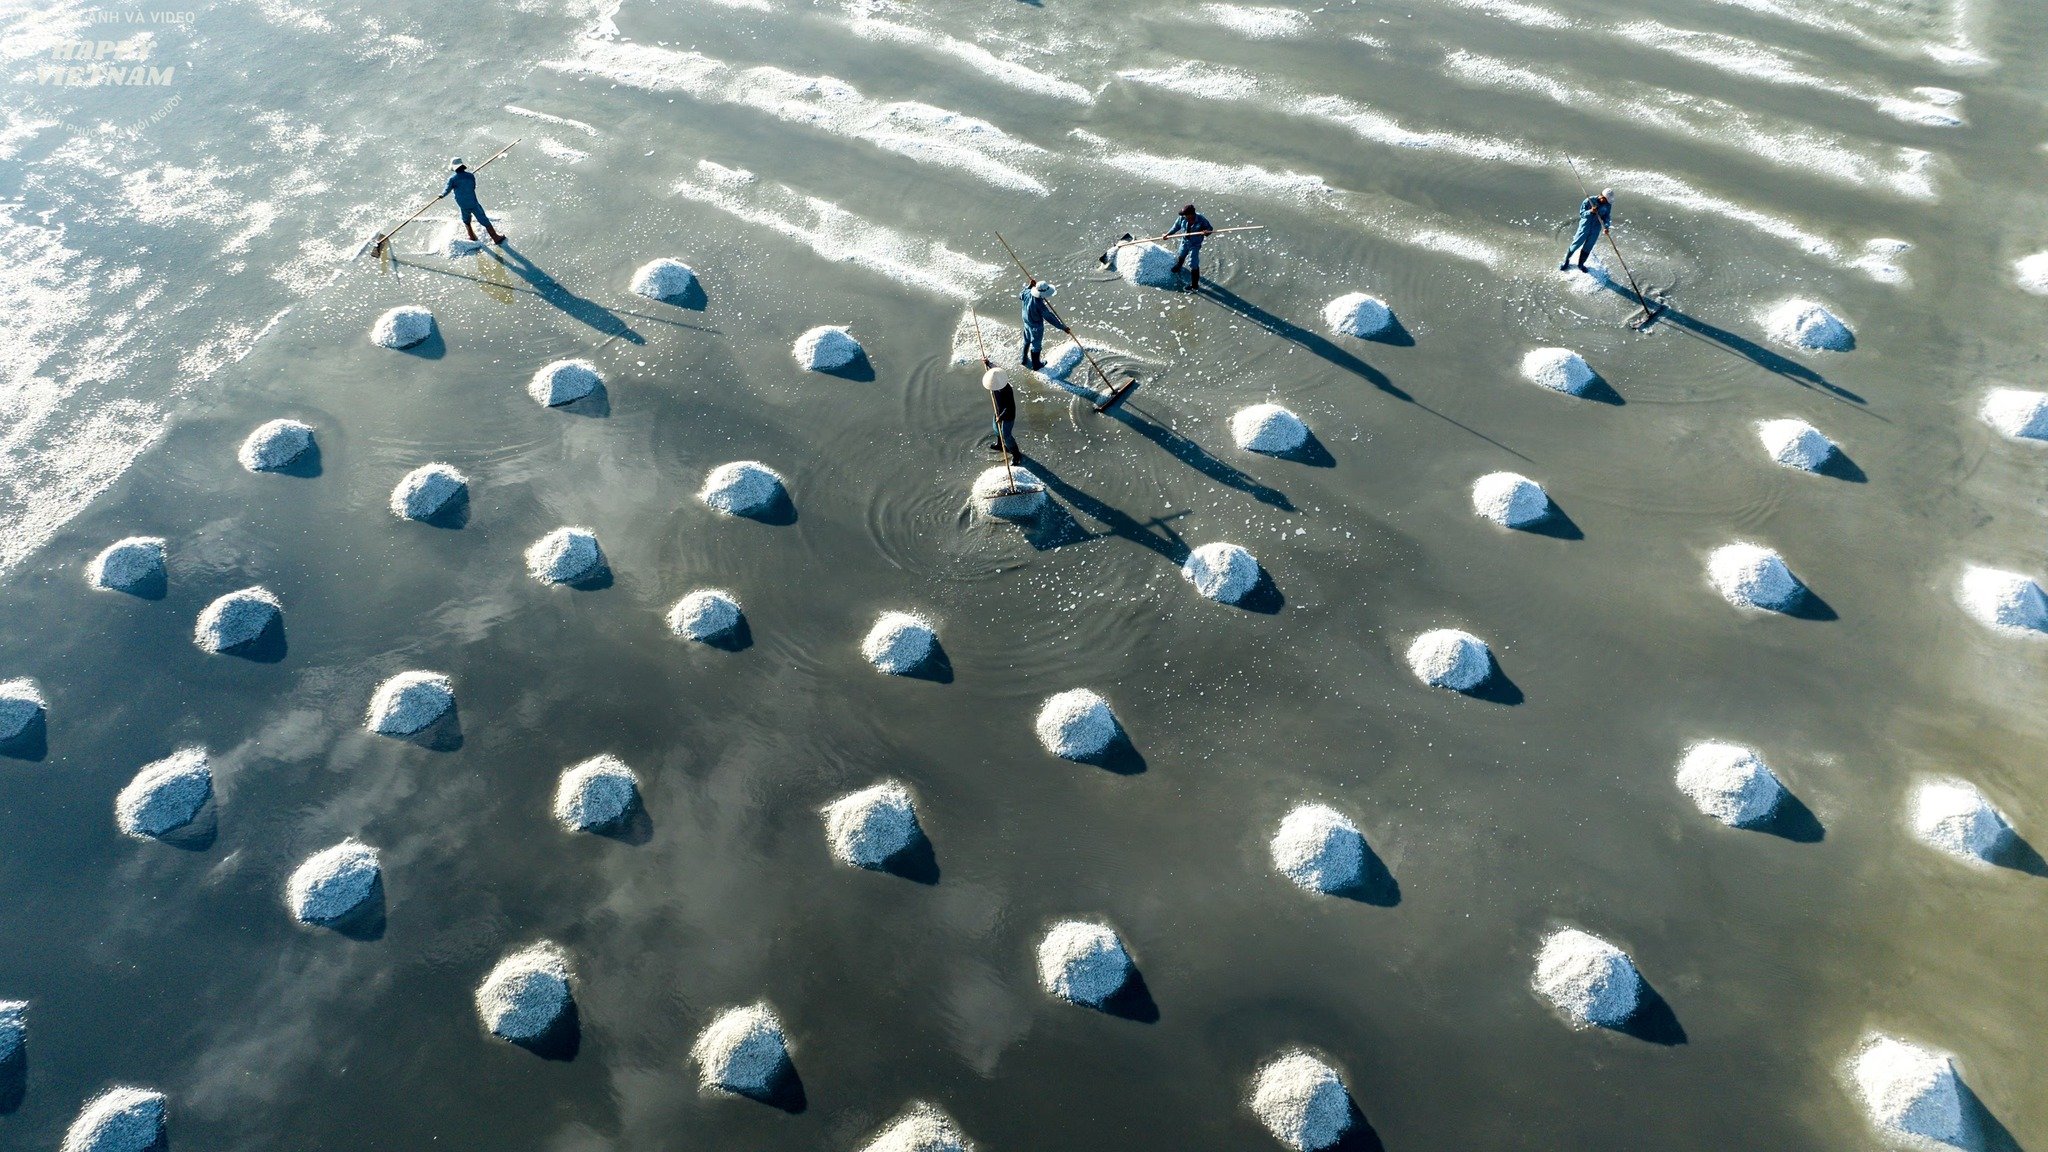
1956 818
899 643
921 1129
1558 369
20 703
118 1120
1302 1101
402 327
1076 724
1357 314
704 615
742 488
2020 415
1009 492
1510 500
129 564
1729 782
564 382
1450 658
564 556
164 796
1796 444
1807 325
1752 576
1319 849
663 279
743 1051
237 618
526 993
1267 428
1225 573
409 702
1145 264
867 828
2007 601
426 490
333 882
1590 980
597 793
275 445
13 1029
825 349
2031 273
1911 1091
1083 963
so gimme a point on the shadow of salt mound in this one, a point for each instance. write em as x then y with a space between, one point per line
738 638
266 647
562 1041
305 465
1556 524
432 348
1982 1131
200 834
596 406
778 513
1264 598
635 827
1133 1001
918 862
2014 852
1653 1021
784 1090
1311 453
1360 1136
32 742
443 735
364 922
1599 391
453 515
859 370
13 1080
595 580
1838 466
1197 457
1376 884
1497 688
1790 820
1121 756
155 587
936 667
1809 606
692 298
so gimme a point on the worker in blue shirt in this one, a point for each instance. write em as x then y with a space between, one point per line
462 184
1037 312
1192 228
1595 217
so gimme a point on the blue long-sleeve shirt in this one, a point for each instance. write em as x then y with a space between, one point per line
1594 209
463 185
1037 311
1200 224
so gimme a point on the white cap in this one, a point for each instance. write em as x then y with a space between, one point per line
1607 193
455 162
995 379
1043 290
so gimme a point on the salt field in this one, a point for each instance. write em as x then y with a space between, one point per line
600 691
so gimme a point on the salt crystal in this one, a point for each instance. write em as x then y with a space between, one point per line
1009 492
409 702
2007 601
164 796
333 882
1225 573
1268 428
1076 724
1796 444
743 1051
523 997
598 793
664 279
426 490
564 382
127 565
1558 369
743 488
1357 314
1957 818
1302 1101
705 615
236 619
1911 1091
1319 849
826 348
1145 264
866 829
1807 325
120 1119
1729 782
1752 576
2020 415
402 327
564 556
21 702
921 1128
1450 658
1510 500
1083 963
1591 981
274 445
899 643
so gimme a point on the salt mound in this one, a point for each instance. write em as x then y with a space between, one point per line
1510 500
1910 1090
2020 415
1319 849
598 793
1750 576
20 703
1450 658
1302 1101
1956 818
2031 273
1083 963
1796 444
402 327
1009 492
1356 314
164 796
118 1120
1076 724
1805 324
1590 980
704 615
526 993
1558 369
869 827
1267 428
1730 783
409 702
899 643
564 556
564 382
742 488
663 279
825 349
129 564
275 445
2006 601
1145 264
334 882
426 490
237 618
1225 573
743 1051
13 1028
922 1129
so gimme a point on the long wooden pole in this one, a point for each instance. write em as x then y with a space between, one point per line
996 422
1171 235
1607 229
382 238
1071 334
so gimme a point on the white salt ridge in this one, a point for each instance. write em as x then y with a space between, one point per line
426 490
237 618
402 327
1268 428
1319 849
275 444
165 795
866 829
1510 500
1730 783
564 556
705 615
1558 369
409 702
663 279
559 150
1083 963
1009 492
2020 415
333 882
1591 981
564 382
128 564
2007 601
20 703
1302 1101
1755 62
13 1029
120 1119
526 993
1911 1091
742 488
826 348
2031 273
1197 78
1258 23
1808 325
1145 264
899 643
743 1051
1957 818
1357 314
1225 573
1192 174
598 793
1752 576
1880 260
548 118
922 1128
1450 658
1076 724
987 65
1796 444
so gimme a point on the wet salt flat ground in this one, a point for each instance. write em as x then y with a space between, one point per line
814 165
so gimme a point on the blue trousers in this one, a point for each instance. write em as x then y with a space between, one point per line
1583 241
1034 344
475 210
1191 253
1005 435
